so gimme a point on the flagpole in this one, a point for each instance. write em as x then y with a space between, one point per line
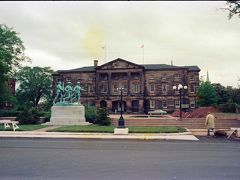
143 53
105 53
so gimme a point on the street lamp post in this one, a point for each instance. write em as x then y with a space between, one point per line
179 88
121 121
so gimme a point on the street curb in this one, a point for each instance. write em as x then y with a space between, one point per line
132 136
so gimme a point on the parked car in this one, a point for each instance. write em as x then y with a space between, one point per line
157 111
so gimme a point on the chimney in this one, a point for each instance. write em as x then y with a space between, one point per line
95 63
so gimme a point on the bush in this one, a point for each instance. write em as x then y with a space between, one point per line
29 116
90 113
102 117
9 113
228 107
47 116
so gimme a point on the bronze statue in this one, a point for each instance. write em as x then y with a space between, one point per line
65 96
59 93
69 92
77 92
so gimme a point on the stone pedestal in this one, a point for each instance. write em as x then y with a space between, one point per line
121 131
68 115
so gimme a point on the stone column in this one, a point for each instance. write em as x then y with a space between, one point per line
97 85
97 103
109 84
141 106
109 105
142 85
129 82
129 105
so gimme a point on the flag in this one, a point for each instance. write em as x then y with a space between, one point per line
142 46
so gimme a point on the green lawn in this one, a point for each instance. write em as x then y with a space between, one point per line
24 127
110 129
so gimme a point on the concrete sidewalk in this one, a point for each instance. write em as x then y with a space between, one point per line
131 136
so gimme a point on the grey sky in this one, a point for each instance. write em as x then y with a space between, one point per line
67 35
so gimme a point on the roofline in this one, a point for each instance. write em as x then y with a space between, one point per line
73 71
98 67
164 69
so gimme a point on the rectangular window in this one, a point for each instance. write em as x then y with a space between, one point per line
164 87
177 77
171 103
175 90
152 87
115 88
90 88
152 104
192 103
177 104
125 86
104 88
192 78
135 77
84 86
192 88
136 88
103 77
164 104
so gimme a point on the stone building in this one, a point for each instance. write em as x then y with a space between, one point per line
146 87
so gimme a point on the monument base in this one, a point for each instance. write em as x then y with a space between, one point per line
121 131
68 115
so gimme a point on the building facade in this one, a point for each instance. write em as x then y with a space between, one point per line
146 87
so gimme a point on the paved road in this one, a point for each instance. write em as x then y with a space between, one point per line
119 159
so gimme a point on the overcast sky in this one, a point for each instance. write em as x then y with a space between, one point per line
65 35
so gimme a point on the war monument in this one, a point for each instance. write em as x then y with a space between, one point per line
67 108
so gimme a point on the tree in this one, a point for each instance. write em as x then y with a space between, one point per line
206 94
233 8
35 85
11 56
102 117
222 93
234 94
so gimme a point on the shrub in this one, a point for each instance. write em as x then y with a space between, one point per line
102 117
228 107
29 116
9 113
90 113
47 116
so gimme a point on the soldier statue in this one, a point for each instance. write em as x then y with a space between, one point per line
59 93
69 92
77 92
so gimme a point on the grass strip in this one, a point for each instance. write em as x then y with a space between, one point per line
110 129
29 127
89 128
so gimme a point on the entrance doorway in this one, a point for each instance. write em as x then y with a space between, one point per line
103 104
116 106
135 106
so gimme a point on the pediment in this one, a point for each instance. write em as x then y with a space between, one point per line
119 64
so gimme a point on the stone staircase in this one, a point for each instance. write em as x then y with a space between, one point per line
190 123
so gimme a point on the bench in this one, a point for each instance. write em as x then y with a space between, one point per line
7 124
234 130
